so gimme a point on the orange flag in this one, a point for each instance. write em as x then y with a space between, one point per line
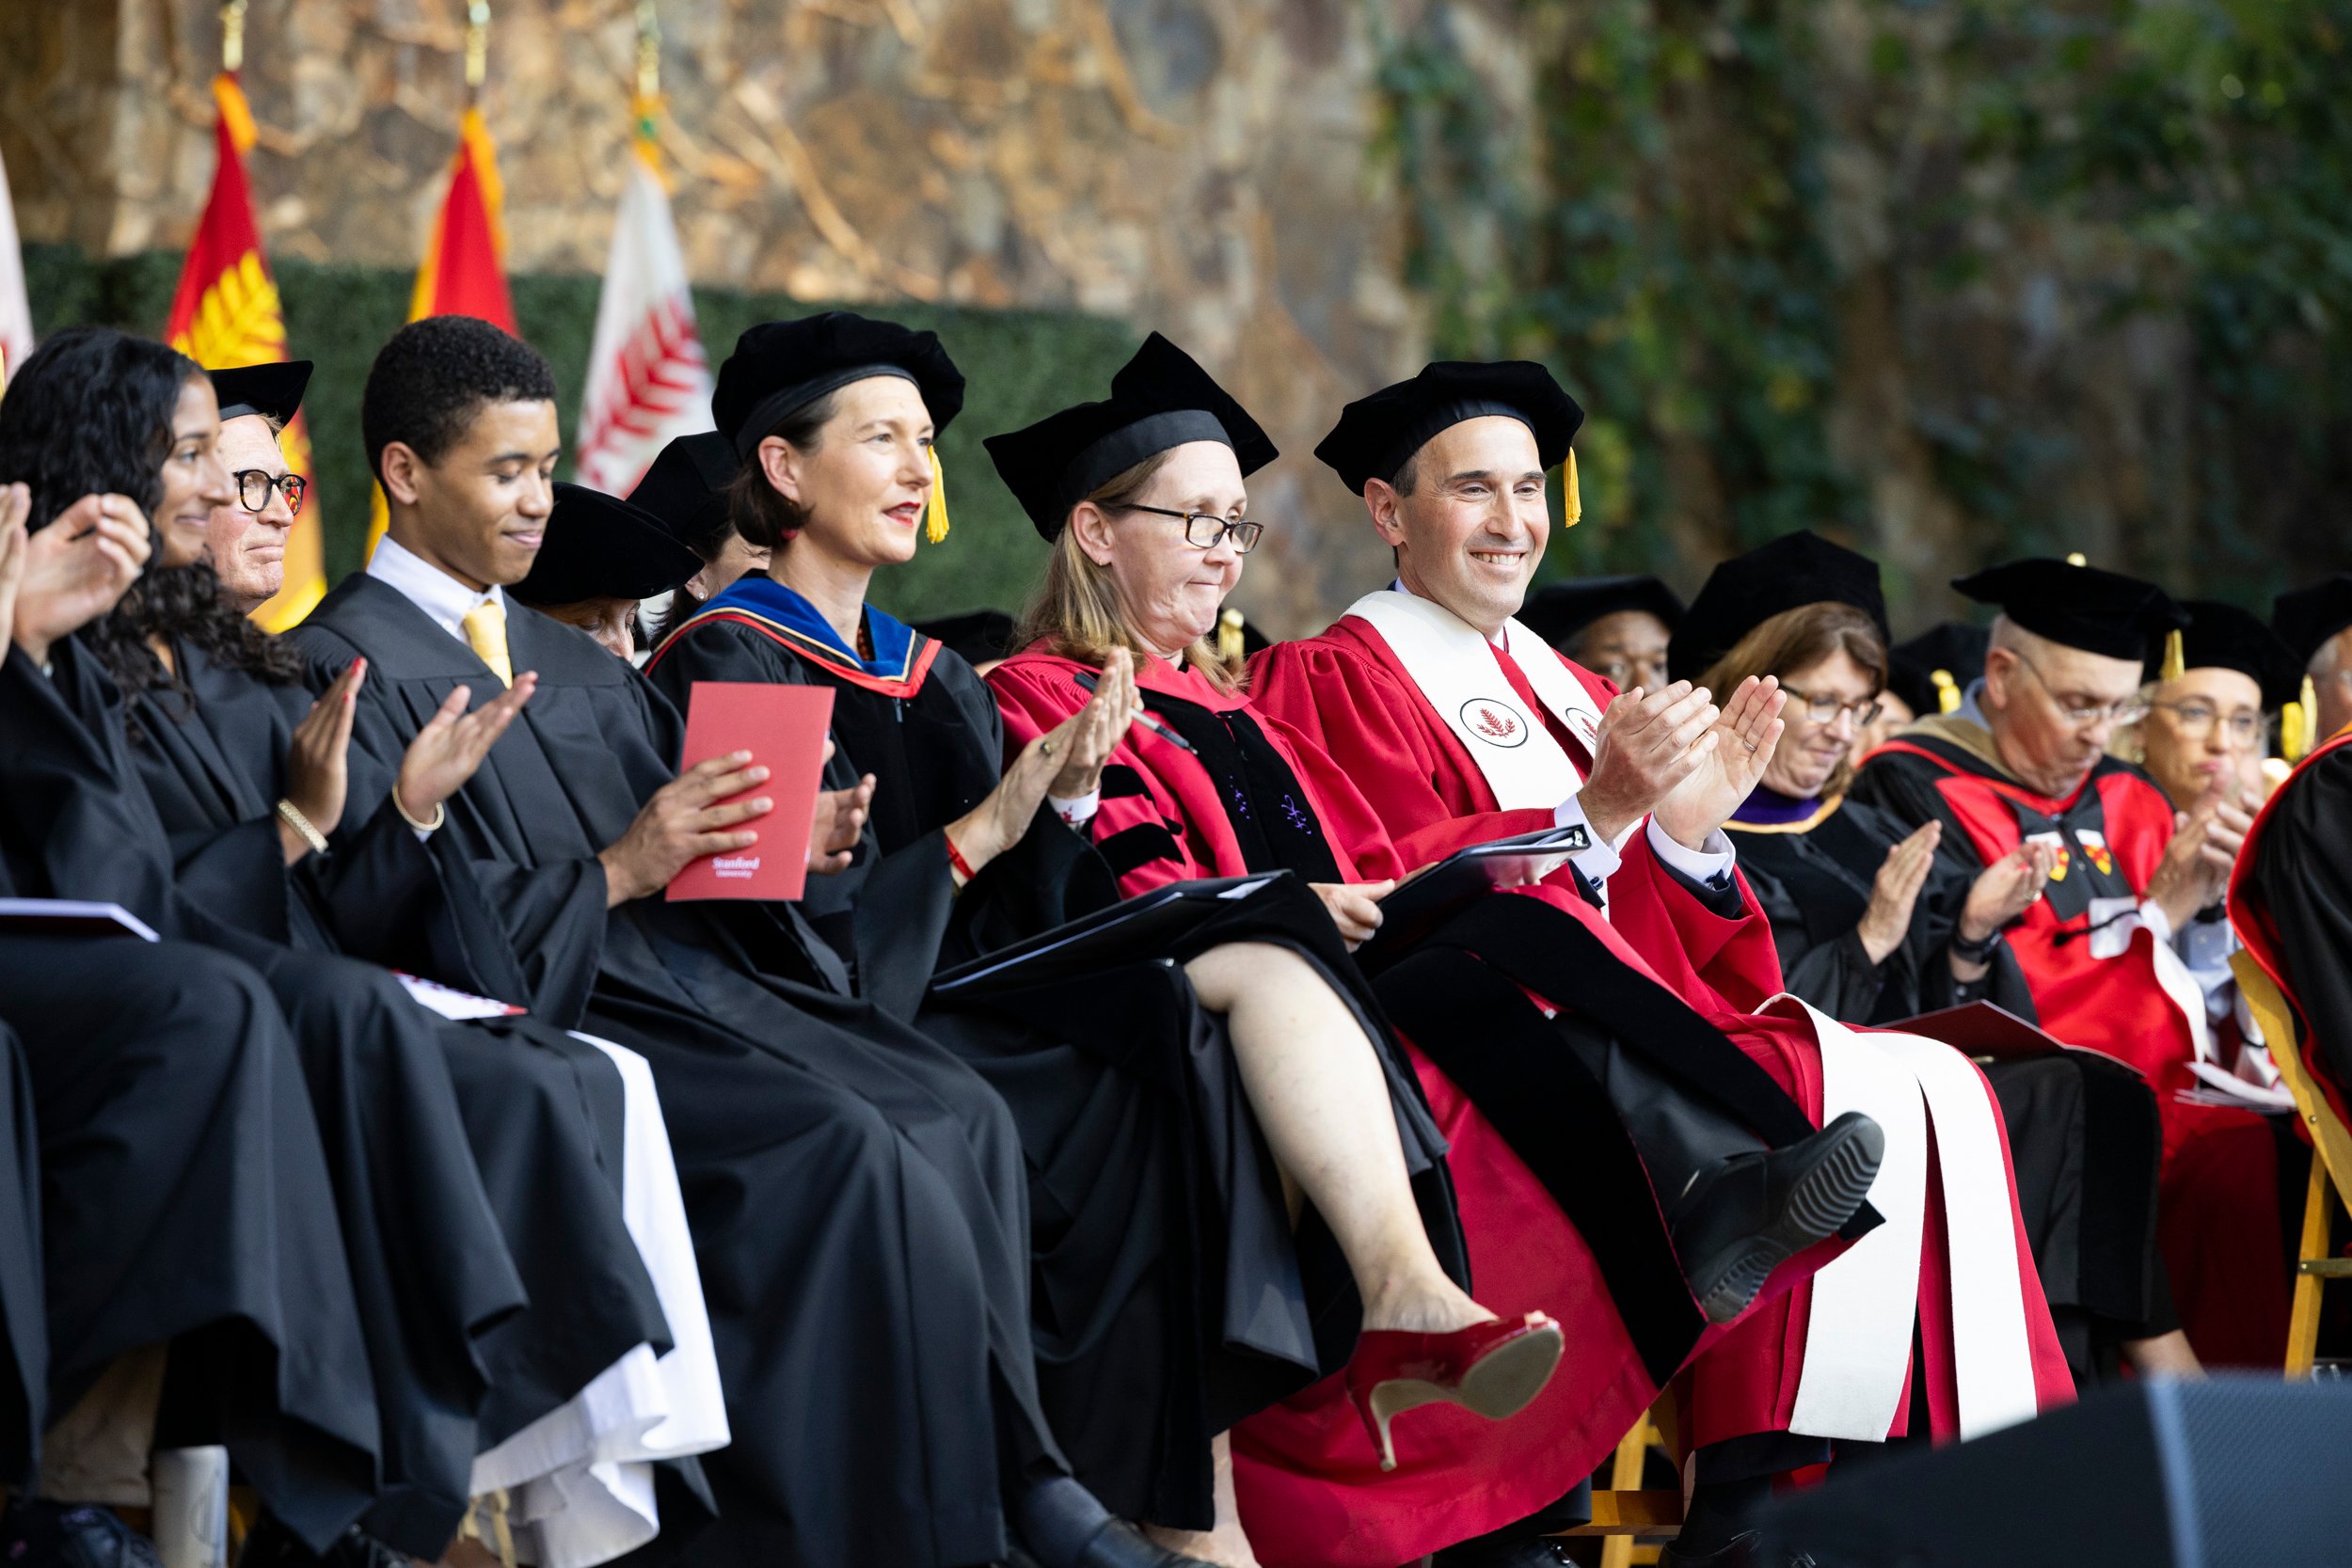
463 272
227 315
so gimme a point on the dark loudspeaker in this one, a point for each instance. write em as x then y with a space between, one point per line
2239 1472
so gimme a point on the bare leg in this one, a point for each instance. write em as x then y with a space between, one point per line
1225 1545
1320 1096
2166 1356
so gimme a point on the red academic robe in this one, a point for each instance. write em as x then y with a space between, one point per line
1310 1489
2218 1199
1348 691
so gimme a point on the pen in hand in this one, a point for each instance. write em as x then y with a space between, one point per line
1089 681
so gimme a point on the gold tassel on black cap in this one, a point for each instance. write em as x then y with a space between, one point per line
1946 690
1230 646
1572 504
2297 721
2174 665
935 510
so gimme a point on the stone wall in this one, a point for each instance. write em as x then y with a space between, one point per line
1202 166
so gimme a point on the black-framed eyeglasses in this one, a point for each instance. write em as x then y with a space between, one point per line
1205 530
2196 720
255 485
1826 709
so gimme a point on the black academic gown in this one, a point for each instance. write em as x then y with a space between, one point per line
1171 1299
183 1186
431 1270
24 1334
2302 873
544 1112
856 1193
2082 1129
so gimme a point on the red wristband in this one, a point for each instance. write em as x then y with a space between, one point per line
955 858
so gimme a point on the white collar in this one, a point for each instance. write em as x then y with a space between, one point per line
427 587
1397 585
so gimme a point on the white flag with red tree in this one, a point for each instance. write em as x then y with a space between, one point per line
648 380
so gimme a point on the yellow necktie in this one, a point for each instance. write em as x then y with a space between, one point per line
485 633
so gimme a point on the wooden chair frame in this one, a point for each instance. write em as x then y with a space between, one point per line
2331 1160
1633 1519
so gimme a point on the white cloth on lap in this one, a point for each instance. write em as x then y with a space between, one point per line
580 1479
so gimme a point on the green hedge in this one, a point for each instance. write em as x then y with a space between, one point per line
1021 365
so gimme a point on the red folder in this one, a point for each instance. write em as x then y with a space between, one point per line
1989 1032
784 729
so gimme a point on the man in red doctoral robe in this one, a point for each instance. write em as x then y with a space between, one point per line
2024 759
1461 726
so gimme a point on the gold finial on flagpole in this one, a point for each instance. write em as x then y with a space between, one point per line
647 104
232 36
477 47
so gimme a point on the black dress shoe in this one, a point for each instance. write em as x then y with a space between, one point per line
71 1535
1062 1525
1745 1217
1743 1550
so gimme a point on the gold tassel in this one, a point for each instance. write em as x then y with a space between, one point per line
935 511
1573 506
2175 663
1946 690
2077 557
2297 722
1228 643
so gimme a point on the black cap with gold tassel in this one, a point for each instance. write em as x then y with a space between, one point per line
2175 664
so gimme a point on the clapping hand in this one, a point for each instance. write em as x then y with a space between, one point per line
77 568
1066 761
1895 892
2005 890
2206 839
840 819
449 749
318 774
1643 751
1727 762
16 505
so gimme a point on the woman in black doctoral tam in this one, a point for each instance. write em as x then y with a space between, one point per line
187 1198
1172 1297
855 1192
507 1132
1872 929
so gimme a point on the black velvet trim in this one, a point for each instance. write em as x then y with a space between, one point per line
1137 845
1484 1035
1536 944
2122 1145
1120 781
1123 449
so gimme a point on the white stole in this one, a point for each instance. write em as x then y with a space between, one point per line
1857 1347
1453 664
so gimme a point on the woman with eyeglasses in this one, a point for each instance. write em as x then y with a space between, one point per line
1174 1102
1870 930
1867 931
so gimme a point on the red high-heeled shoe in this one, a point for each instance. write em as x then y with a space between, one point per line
1490 1368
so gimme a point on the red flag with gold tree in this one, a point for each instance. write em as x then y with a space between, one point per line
227 315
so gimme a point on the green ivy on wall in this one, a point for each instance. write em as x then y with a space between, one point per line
1019 366
1657 225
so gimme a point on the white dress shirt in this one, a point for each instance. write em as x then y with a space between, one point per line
430 589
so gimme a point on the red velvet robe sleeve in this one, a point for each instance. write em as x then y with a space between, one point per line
1344 691
1369 721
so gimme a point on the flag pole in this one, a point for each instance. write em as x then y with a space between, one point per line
477 49
232 36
